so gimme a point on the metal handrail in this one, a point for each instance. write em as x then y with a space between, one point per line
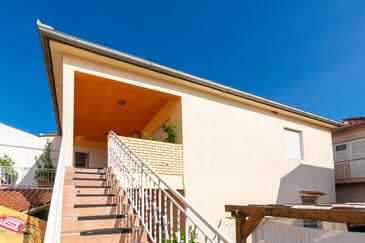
14 176
144 188
53 230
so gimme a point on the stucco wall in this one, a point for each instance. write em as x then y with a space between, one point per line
234 153
97 157
172 112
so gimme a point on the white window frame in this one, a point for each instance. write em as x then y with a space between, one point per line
301 156
348 151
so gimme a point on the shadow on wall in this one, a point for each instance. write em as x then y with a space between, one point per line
26 175
310 178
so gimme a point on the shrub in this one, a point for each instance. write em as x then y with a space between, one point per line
8 174
192 237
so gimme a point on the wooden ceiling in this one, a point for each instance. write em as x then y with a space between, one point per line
97 108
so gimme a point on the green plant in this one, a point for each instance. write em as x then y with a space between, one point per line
44 165
151 137
191 233
170 130
8 171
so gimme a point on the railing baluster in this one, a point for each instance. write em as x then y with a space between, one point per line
150 212
159 213
155 217
165 223
171 219
142 194
178 225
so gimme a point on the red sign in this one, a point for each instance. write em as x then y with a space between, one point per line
12 223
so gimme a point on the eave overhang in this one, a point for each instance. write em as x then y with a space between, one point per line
47 33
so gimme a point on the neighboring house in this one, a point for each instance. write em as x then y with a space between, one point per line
24 147
231 147
349 156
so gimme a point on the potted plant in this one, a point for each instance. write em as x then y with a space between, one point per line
170 129
45 172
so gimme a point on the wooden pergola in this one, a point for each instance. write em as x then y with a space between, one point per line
249 216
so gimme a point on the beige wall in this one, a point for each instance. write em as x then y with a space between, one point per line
170 111
234 153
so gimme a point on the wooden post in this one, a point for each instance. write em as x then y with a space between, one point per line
240 221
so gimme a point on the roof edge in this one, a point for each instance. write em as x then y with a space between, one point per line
46 32
49 70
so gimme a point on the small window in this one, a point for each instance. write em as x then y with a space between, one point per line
341 147
308 223
293 144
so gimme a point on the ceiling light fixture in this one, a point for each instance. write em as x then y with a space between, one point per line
121 102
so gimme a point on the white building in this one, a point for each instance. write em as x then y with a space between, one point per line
236 148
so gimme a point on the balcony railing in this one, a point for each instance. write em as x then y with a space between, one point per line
26 177
350 171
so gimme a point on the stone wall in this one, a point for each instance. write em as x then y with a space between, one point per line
164 158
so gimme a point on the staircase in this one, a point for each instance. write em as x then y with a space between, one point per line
133 205
96 210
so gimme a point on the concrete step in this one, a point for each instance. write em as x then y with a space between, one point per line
101 210
99 222
107 237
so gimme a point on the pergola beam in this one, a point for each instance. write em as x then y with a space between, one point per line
340 215
255 213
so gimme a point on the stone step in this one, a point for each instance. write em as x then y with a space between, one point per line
100 199
101 210
110 237
82 182
86 175
98 222
100 190
95 170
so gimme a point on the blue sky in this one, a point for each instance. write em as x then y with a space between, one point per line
307 54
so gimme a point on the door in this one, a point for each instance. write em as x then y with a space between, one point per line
81 159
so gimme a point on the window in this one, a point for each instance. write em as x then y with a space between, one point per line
341 147
293 144
341 152
308 222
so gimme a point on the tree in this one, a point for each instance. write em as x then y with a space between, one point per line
45 168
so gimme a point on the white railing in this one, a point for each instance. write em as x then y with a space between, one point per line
26 177
164 212
352 169
53 230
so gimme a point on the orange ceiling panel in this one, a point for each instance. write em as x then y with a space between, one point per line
99 107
